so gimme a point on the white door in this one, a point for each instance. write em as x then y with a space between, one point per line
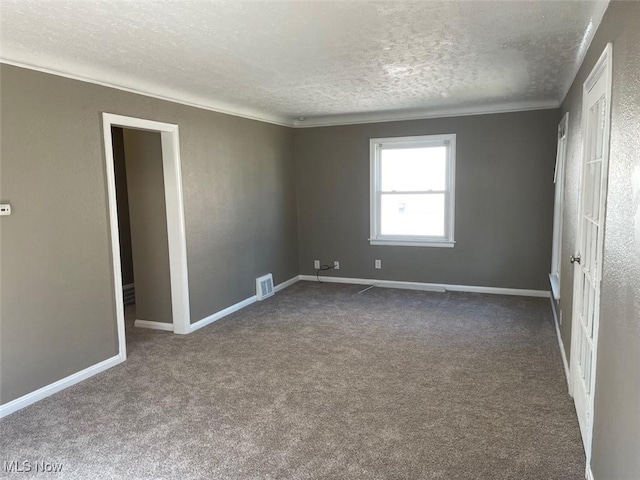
588 260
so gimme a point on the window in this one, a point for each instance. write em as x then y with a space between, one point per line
412 190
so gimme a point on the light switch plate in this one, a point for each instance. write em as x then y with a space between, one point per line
5 209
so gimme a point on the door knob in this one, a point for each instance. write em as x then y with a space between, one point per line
575 259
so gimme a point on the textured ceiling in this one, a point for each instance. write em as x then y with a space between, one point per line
279 60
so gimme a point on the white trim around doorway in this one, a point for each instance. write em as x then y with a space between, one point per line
172 174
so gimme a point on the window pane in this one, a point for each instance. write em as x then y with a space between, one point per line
413 169
416 214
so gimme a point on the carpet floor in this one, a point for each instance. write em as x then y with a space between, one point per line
320 382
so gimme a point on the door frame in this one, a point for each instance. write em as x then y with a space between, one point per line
602 67
558 206
172 175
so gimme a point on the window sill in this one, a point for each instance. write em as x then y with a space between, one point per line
410 243
555 285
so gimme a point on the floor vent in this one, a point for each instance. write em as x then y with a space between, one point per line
264 286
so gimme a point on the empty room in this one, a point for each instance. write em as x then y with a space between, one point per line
298 239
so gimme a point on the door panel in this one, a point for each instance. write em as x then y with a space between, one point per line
590 243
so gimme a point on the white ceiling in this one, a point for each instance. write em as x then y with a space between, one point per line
331 62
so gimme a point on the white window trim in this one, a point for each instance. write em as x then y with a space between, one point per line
374 203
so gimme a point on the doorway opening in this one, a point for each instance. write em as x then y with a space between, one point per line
154 229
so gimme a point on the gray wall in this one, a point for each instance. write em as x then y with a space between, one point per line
616 440
124 227
148 220
58 310
504 201
58 313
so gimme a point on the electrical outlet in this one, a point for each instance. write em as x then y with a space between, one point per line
5 209
378 264
316 264
336 265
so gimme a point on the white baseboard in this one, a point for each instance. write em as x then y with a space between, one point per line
563 353
431 287
222 313
238 306
286 283
55 387
153 325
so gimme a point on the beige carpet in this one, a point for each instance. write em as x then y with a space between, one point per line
319 382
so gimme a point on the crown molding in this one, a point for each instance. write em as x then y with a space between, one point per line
161 93
320 121
402 115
